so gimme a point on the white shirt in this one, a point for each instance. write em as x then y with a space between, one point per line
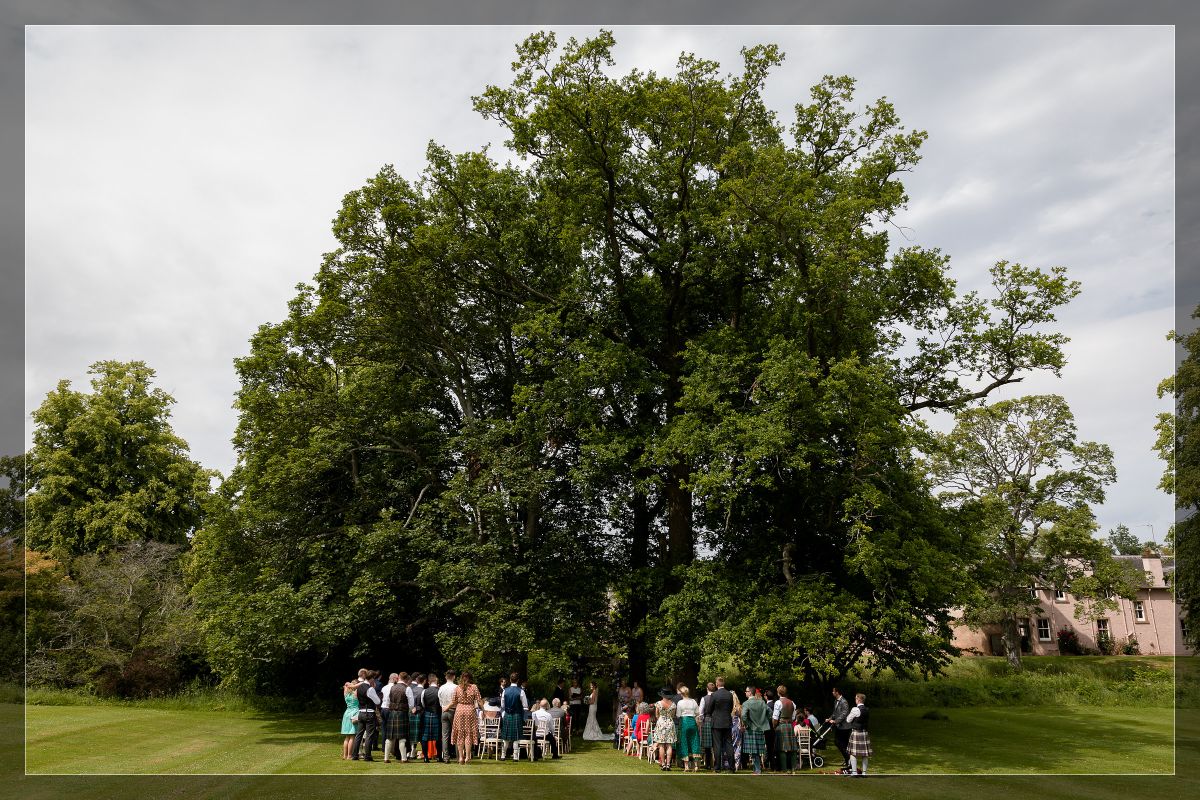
543 720
374 695
446 694
387 696
855 713
688 707
413 691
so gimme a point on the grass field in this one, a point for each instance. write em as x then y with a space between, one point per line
125 740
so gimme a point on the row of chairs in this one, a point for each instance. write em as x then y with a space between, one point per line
490 741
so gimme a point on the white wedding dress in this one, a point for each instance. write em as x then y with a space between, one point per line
592 731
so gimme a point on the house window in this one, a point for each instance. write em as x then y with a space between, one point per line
1109 594
1101 628
1139 610
1043 630
1183 628
1060 595
1033 592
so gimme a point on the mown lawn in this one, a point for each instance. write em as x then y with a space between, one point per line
128 740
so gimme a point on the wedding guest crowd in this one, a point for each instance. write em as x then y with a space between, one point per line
417 717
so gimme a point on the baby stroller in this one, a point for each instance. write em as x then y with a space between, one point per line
816 741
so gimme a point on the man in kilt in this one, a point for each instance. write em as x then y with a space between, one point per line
431 719
756 720
513 705
860 739
395 728
783 717
706 726
416 693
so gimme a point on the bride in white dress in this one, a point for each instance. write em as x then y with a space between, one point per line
592 731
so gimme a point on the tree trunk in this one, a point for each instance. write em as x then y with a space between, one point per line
1011 636
638 602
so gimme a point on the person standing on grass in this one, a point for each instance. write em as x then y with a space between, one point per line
664 729
756 720
395 732
783 720
735 731
720 708
841 728
368 715
349 719
575 706
446 700
416 692
860 740
467 702
513 704
431 720
689 731
705 721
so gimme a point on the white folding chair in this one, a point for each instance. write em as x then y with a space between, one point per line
526 740
489 737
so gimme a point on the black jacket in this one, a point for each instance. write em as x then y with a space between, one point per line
720 708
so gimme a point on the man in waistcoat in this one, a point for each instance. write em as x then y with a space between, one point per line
368 715
513 705
860 740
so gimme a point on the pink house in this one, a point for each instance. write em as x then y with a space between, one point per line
1151 618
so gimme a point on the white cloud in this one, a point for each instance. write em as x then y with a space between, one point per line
181 181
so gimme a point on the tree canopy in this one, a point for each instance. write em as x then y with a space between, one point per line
106 468
658 375
1016 470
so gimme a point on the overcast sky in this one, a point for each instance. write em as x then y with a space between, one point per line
181 181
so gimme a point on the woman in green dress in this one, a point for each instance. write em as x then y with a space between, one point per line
689 732
348 719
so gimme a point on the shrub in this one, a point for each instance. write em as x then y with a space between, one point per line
1068 642
1106 644
1131 647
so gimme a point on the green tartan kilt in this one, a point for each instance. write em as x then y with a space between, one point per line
414 728
706 734
785 737
511 727
754 743
431 727
397 725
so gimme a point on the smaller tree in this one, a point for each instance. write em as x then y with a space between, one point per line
1122 541
106 468
125 625
1017 471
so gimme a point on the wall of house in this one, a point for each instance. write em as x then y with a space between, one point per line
1158 632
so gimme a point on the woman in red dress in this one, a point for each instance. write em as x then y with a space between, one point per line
465 731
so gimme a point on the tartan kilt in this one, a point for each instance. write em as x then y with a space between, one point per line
397 726
706 734
785 737
860 744
414 728
431 726
511 727
754 743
